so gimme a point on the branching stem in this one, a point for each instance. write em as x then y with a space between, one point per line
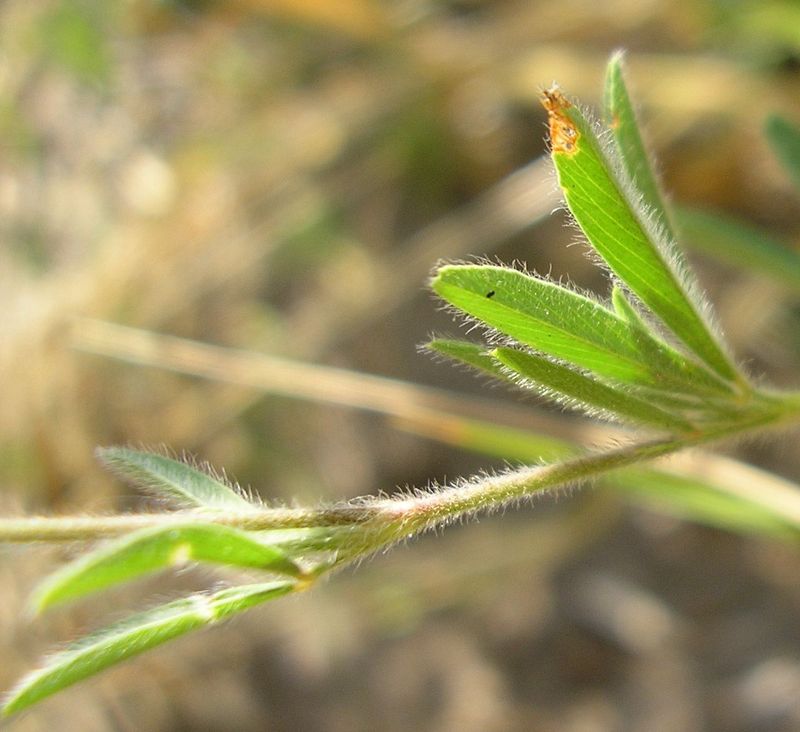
369 525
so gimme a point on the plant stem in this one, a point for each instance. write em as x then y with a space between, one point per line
490 493
83 528
371 524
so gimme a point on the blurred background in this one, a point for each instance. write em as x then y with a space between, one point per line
280 176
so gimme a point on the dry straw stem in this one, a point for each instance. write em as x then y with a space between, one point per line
409 403
436 413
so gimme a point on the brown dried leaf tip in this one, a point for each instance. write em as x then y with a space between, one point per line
563 133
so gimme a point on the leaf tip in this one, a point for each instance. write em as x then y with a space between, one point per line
616 61
564 134
111 456
103 454
15 701
38 603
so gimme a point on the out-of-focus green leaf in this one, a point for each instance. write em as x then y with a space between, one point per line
618 228
73 35
182 484
768 31
740 244
784 137
495 440
703 503
151 550
139 633
577 389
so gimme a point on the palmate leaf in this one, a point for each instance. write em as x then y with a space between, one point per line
139 633
151 550
620 230
182 484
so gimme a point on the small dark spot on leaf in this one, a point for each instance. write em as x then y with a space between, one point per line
490 293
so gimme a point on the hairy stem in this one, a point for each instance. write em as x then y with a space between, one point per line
369 525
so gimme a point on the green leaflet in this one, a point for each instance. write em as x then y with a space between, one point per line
563 384
569 326
139 633
620 232
698 404
784 137
583 391
544 316
671 370
182 484
620 117
625 310
151 550
471 354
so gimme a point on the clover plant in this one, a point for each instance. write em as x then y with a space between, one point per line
649 356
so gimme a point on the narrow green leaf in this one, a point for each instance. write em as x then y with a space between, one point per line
545 316
139 633
703 503
740 244
184 485
625 310
488 438
784 137
700 411
471 354
151 550
672 371
578 389
621 119
568 386
569 326
621 232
